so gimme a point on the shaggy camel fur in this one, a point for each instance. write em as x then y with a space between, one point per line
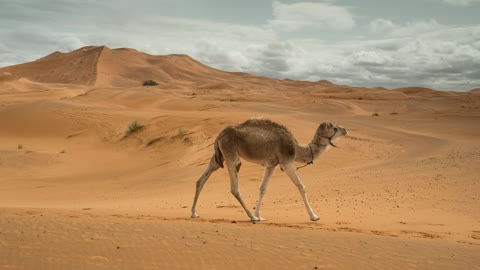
269 144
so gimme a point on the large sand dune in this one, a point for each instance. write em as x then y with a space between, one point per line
402 191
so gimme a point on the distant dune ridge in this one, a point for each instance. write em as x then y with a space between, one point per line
123 67
100 66
5 77
475 91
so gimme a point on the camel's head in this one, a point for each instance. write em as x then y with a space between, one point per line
330 131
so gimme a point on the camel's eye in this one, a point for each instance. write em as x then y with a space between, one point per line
335 128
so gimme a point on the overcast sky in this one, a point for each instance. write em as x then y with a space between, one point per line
391 43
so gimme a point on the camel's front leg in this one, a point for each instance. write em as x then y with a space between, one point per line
263 188
292 173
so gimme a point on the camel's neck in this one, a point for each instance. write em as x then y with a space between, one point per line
309 152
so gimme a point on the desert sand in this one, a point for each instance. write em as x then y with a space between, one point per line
77 191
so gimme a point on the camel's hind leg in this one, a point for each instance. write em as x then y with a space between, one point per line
213 166
233 168
263 189
292 173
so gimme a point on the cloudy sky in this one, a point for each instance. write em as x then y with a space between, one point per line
391 43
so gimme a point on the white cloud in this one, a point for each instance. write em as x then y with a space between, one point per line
70 43
273 58
290 17
373 58
210 53
417 27
407 29
447 58
461 2
381 25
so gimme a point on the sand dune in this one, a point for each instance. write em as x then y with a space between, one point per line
475 91
5 77
423 92
77 190
102 67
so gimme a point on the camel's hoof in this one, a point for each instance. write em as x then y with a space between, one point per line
314 218
259 217
254 218
195 216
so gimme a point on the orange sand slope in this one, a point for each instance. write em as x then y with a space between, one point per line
79 191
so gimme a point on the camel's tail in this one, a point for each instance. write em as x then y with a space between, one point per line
218 154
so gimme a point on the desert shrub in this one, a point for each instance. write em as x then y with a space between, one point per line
149 83
20 146
375 114
187 141
134 126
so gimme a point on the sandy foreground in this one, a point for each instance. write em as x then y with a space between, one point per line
402 191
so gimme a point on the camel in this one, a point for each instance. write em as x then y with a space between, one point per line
269 144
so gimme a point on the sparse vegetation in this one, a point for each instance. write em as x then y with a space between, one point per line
20 146
134 126
182 134
375 114
149 83
187 141
62 151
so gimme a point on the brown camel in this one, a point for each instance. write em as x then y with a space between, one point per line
269 144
